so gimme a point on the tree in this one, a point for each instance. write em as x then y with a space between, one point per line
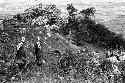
88 12
71 10
82 28
18 17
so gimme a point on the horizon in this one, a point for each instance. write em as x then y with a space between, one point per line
17 6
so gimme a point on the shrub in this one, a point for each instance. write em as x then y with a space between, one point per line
83 28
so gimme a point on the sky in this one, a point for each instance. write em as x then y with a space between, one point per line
15 6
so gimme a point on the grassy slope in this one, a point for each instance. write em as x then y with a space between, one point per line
63 45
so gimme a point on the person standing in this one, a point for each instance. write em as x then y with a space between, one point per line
20 58
38 52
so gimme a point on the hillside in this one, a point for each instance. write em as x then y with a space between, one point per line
53 49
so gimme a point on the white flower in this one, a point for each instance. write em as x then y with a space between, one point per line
113 59
122 58
49 34
116 70
45 38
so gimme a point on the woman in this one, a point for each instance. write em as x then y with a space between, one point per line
38 52
20 58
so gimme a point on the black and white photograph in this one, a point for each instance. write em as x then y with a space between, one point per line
62 41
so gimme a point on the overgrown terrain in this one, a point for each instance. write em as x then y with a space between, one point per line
41 45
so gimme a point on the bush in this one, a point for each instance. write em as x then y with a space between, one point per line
83 29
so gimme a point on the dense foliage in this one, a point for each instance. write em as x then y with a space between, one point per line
84 29
30 60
